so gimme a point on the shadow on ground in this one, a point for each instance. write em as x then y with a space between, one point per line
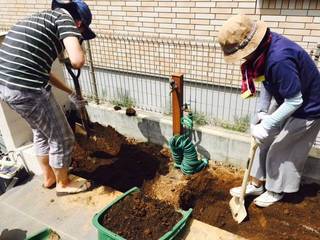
14 234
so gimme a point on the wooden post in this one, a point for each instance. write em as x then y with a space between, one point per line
177 102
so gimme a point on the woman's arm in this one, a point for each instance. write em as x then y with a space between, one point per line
285 110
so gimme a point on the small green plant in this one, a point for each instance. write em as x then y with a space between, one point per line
240 124
199 119
123 100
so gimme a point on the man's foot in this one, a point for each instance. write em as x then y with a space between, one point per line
251 190
49 186
268 198
75 185
49 183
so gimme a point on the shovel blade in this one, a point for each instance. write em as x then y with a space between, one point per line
238 209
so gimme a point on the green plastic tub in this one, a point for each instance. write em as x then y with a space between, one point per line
42 235
105 234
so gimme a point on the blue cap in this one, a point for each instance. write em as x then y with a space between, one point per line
83 11
86 18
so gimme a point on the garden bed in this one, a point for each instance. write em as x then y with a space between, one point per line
296 217
149 166
135 163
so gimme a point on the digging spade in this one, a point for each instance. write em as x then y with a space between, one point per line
83 112
236 204
98 137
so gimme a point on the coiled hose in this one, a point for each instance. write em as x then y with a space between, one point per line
183 151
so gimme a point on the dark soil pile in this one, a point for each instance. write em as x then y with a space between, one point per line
134 164
103 139
296 217
141 217
130 112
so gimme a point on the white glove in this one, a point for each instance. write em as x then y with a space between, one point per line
261 115
259 133
258 117
77 101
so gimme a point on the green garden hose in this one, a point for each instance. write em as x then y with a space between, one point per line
183 151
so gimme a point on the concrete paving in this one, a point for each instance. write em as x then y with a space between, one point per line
29 208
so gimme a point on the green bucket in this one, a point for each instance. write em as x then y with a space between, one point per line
42 235
105 234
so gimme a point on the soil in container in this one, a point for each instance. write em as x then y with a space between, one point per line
140 217
296 217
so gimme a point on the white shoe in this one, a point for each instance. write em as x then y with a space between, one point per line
250 190
268 198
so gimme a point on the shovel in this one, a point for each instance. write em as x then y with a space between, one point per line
83 112
236 204
98 137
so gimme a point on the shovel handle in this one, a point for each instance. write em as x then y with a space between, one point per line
252 152
75 78
83 112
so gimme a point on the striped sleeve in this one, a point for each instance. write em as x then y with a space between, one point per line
66 27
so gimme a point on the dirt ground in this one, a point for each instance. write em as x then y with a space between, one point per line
140 217
296 217
149 167
135 164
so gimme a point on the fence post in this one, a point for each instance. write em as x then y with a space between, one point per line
317 53
177 102
92 74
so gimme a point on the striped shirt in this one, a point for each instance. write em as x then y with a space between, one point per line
31 46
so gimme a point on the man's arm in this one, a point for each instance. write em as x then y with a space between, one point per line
60 84
75 52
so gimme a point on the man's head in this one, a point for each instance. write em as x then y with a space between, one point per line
240 36
81 14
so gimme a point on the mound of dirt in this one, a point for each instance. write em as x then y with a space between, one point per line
296 217
141 217
135 164
102 139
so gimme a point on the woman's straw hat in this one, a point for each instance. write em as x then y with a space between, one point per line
240 36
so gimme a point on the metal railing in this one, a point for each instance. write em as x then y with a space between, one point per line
139 69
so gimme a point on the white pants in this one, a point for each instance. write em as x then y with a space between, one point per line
281 158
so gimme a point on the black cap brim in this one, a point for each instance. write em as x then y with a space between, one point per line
88 34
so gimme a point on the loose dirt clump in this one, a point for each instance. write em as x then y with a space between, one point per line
130 112
95 199
53 236
296 217
140 217
101 139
